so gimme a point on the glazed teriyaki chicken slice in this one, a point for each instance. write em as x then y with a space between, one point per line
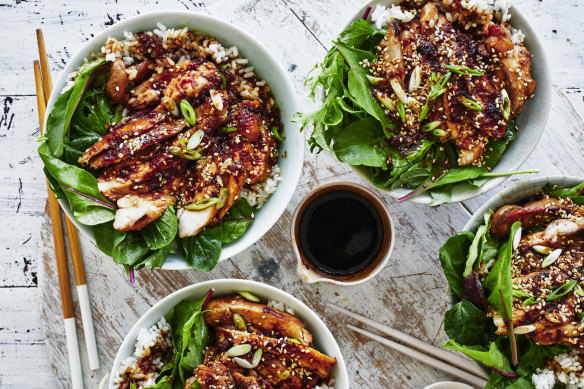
287 361
453 84
547 270
148 163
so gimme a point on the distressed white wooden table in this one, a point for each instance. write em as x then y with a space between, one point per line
409 294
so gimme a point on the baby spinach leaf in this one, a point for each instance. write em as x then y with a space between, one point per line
80 188
129 247
235 222
359 85
491 357
104 237
58 127
440 195
453 254
358 33
202 251
154 259
161 232
467 324
477 244
575 191
362 143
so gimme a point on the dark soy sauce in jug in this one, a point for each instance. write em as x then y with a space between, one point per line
340 232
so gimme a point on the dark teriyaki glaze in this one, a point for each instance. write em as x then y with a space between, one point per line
340 232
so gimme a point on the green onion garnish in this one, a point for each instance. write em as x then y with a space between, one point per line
42 139
385 101
195 139
562 290
276 134
530 301
401 109
439 132
374 80
170 105
283 375
248 296
257 357
239 322
223 80
185 153
238 350
431 126
471 104
293 340
188 112
581 326
458 69
202 204
506 106
521 294
437 88
228 130
223 195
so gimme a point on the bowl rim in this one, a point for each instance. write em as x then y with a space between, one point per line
288 90
544 90
302 311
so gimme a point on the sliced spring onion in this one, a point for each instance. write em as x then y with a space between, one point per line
415 78
439 132
202 204
562 290
471 104
217 99
373 80
238 350
257 357
170 105
223 195
458 69
42 139
542 249
283 375
249 296
228 130
276 133
293 340
185 153
239 322
531 301
243 363
521 294
195 139
517 238
506 106
524 329
431 126
188 112
551 258
385 101
399 90
223 80
578 290
401 109
437 88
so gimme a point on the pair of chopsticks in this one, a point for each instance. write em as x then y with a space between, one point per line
426 353
44 87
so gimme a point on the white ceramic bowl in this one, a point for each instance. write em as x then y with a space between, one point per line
266 67
517 192
323 339
531 122
448 385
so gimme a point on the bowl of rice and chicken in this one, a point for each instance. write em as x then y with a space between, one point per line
435 101
515 273
229 334
165 144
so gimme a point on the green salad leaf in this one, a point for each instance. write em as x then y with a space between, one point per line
491 356
161 232
361 143
468 325
453 256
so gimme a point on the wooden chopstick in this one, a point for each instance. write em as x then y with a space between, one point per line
72 235
435 363
59 241
409 340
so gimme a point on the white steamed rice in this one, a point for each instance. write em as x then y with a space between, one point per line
565 369
259 193
486 10
145 364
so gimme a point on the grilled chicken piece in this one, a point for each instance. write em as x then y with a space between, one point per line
134 211
556 233
149 93
191 223
135 127
515 65
250 382
391 58
142 70
131 146
292 354
117 84
532 214
213 375
193 83
259 317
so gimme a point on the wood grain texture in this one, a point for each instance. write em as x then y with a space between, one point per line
410 293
